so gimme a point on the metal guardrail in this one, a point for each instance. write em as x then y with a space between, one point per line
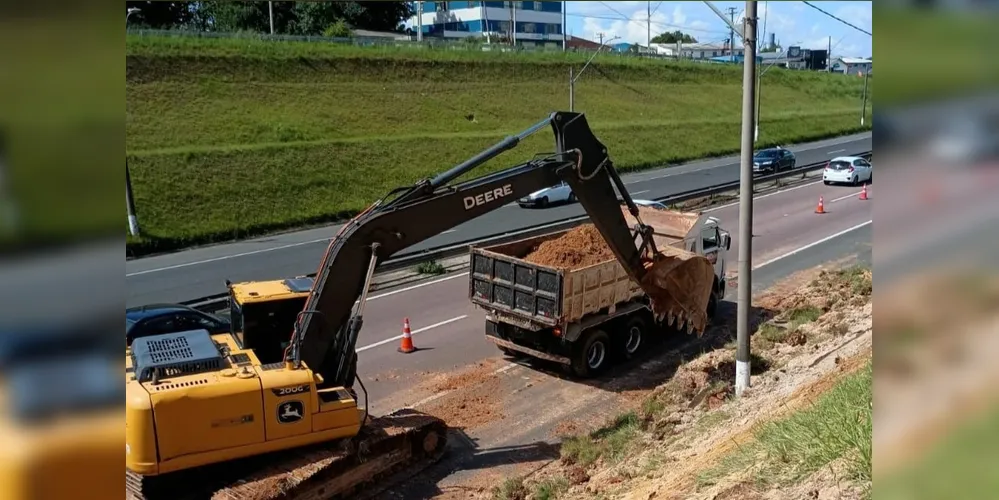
406 259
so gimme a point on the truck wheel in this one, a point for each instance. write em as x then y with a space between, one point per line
591 356
504 350
633 339
712 306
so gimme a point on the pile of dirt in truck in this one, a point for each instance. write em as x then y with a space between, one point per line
582 246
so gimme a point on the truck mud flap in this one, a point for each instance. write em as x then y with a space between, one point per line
527 350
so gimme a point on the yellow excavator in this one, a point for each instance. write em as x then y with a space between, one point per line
269 410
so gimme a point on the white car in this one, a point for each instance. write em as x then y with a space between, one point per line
651 204
847 170
559 193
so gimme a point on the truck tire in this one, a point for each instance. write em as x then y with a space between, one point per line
633 337
712 307
591 355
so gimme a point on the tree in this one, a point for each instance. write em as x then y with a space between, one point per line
676 36
160 15
300 18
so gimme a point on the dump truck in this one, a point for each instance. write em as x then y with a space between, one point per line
269 410
584 317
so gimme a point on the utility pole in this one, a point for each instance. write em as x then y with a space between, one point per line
513 24
601 35
829 56
133 220
270 10
731 34
648 26
863 109
742 362
565 39
419 21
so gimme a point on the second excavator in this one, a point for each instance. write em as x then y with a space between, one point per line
258 413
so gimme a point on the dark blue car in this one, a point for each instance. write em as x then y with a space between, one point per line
773 160
156 319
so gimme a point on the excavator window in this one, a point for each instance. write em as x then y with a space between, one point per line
266 327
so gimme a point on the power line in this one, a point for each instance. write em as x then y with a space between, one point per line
838 19
655 9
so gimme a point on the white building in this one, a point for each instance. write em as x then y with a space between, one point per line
538 23
694 50
852 65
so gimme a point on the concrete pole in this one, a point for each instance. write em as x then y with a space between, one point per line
133 220
648 26
270 11
572 84
742 366
565 39
419 21
863 109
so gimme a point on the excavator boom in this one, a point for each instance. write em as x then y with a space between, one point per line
326 333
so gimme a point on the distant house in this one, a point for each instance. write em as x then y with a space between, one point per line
852 65
576 43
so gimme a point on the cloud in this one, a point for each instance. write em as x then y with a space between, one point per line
635 29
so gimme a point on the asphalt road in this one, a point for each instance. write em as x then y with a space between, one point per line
201 271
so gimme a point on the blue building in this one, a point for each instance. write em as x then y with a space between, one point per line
537 23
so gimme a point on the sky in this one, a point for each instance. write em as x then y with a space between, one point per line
794 22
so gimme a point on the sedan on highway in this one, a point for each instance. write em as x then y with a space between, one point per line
156 319
651 204
773 160
560 193
847 170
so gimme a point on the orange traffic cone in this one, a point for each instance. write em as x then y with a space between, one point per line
821 208
406 344
863 194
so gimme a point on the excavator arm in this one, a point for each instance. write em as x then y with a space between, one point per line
325 333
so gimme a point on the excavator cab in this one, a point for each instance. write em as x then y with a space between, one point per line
262 314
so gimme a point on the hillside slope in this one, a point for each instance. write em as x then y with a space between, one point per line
228 137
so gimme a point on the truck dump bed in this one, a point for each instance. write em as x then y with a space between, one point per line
545 296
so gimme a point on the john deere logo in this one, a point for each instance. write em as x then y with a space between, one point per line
290 412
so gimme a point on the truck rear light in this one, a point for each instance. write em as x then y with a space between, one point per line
557 331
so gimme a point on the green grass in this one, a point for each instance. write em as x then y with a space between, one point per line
611 442
838 425
431 267
550 488
228 138
511 489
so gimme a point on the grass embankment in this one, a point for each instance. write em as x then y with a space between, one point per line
228 138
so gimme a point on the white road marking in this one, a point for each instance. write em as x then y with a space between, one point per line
449 231
414 287
226 257
639 192
845 197
413 332
812 244
837 151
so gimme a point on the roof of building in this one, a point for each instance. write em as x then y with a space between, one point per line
854 60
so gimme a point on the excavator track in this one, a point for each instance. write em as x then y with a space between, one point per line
403 441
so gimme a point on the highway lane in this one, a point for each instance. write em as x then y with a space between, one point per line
449 329
201 271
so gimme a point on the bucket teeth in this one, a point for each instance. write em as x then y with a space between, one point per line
690 328
670 318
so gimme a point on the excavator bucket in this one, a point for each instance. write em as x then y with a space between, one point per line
677 281
678 284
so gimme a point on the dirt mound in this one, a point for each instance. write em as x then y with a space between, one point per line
580 247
